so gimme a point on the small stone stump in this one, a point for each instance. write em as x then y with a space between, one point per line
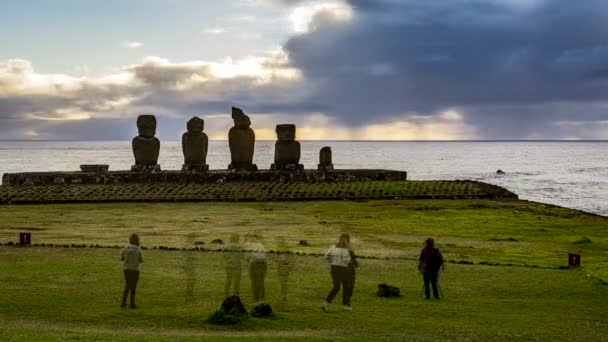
286 150
241 139
195 145
325 160
146 146
94 168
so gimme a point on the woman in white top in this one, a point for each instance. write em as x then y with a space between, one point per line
339 256
132 257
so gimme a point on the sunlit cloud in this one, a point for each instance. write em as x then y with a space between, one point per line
303 17
132 45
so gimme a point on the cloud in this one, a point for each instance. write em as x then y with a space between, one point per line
132 45
214 31
360 69
511 68
304 18
48 103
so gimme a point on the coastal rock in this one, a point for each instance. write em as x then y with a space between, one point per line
500 172
286 149
195 145
241 139
325 160
146 147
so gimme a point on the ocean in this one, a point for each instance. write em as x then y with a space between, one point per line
569 174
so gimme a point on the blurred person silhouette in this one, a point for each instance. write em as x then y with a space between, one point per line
257 268
189 270
285 265
339 257
232 264
132 256
353 264
429 264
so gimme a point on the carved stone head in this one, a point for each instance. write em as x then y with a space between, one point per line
240 119
286 132
195 125
146 125
325 156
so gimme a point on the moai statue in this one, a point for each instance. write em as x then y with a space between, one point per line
145 146
325 161
195 145
286 149
241 139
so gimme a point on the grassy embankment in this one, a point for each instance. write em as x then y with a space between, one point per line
249 191
63 293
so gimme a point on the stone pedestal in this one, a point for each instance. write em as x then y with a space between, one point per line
194 168
287 167
152 168
241 139
242 167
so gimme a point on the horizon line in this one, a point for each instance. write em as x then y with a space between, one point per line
319 140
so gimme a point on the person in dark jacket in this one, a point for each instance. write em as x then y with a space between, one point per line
429 264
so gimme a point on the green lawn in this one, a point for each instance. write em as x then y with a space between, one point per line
70 293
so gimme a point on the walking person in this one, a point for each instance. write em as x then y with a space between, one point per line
232 263
257 270
349 286
429 264
285 266
132 256
339 257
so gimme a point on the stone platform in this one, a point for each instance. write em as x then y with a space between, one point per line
250 191
212 176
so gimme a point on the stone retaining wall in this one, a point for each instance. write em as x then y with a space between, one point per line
213 176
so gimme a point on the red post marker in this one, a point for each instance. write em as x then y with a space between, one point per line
25 238
574 260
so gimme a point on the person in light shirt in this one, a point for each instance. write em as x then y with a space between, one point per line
132 256
340 257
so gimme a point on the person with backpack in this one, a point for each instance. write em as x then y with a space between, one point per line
339 257
132 256
429 264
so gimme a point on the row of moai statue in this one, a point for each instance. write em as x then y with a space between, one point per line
241 138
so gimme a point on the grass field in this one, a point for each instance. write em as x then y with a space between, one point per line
72 293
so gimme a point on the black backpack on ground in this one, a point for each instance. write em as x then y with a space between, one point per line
261 310
232 312
385 290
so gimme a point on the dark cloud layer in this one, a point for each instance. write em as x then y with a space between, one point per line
505 65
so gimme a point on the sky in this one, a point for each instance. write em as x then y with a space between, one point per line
338 69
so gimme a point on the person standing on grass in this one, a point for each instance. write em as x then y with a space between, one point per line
429 264
132 256
257 269
232 260
339 257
